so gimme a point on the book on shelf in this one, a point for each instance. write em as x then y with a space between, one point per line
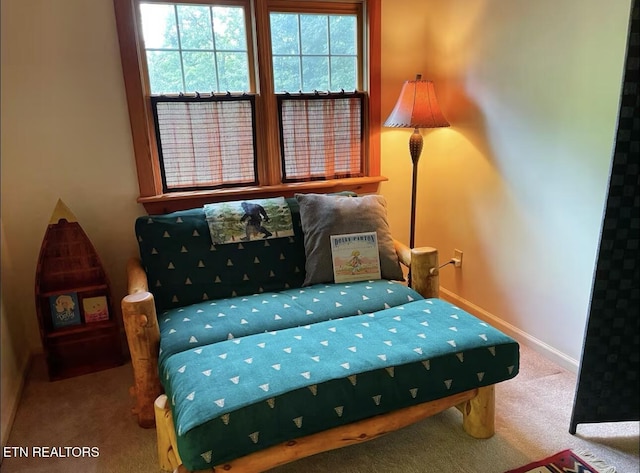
96 309
355 257
64 310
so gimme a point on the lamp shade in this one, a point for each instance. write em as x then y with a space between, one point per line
417 107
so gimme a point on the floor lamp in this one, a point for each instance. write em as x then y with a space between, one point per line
416 108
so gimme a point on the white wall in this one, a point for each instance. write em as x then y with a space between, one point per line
518 182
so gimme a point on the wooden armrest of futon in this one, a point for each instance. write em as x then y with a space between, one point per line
143 337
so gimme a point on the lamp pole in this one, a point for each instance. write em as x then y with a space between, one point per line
415 149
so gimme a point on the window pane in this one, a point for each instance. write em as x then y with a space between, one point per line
234 75
343 34
316 41
195 27
229 28
286 74
165 72
199 71
211 52
344 73
159 26
315 73
315 37
284 33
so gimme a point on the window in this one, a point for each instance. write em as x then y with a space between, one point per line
240 97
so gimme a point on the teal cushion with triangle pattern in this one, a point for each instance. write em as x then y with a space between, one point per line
197 325
238 396
184 267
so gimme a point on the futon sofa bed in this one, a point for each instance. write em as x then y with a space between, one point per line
247 353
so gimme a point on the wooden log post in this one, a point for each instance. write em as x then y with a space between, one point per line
143 337
478 414
168 458
136 277
423 268
425 277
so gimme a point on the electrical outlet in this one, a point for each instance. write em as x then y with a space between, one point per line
457 258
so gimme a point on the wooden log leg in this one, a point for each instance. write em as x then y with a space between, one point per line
424 272
164 438
143 337
478 414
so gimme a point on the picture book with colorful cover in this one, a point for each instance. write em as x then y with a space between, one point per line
355 257
64 310
95 309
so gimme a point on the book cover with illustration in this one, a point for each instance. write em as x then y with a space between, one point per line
259 219
64 310
95 309
355 257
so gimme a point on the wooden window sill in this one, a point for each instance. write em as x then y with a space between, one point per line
171 202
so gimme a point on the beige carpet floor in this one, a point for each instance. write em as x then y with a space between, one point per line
532 421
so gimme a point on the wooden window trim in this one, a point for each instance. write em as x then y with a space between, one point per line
143 134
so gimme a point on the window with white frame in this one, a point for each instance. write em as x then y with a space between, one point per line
238 93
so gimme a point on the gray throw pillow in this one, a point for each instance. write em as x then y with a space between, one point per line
324 215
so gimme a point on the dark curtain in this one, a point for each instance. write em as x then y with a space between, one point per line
608 384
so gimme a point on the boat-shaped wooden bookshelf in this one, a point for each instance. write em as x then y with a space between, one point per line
78 327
